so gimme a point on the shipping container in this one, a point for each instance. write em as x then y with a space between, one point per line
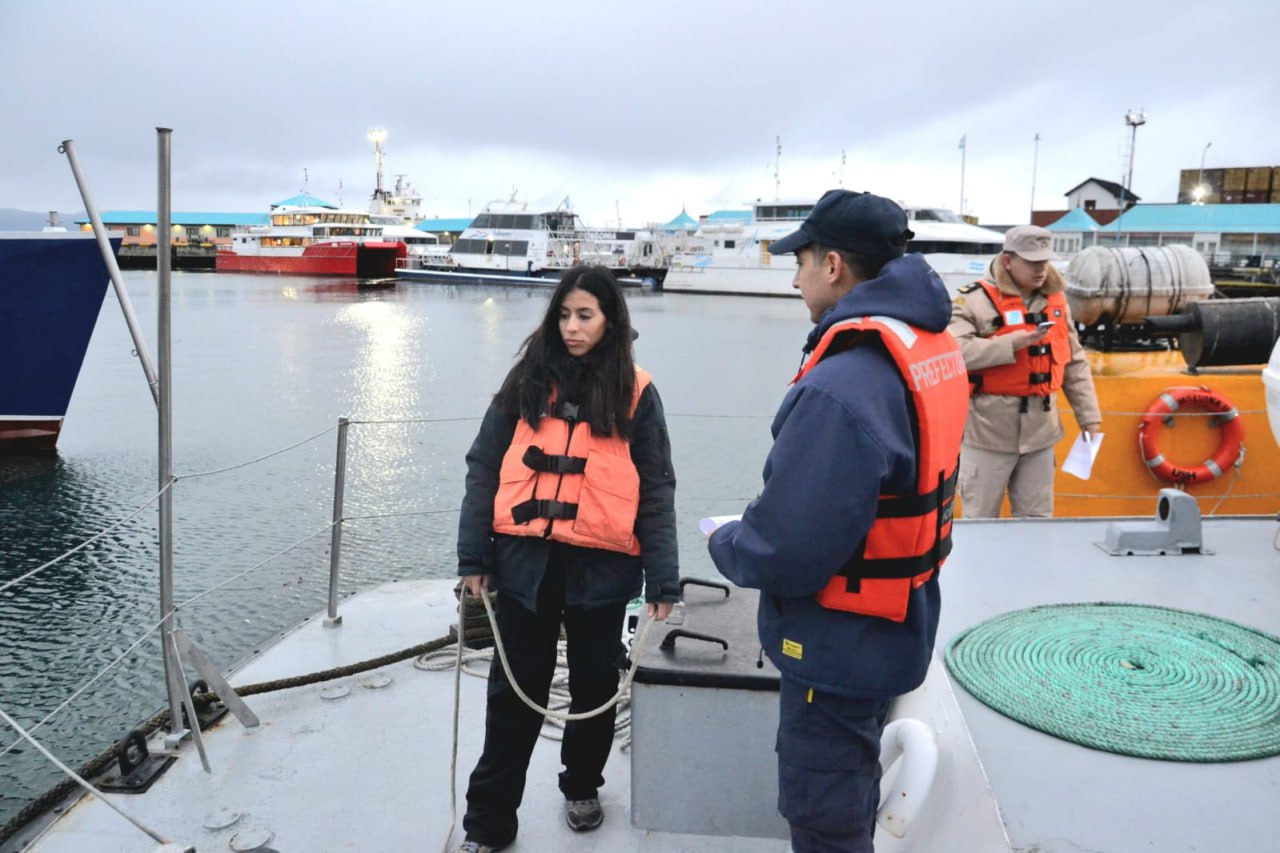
1257 196
1232 196
1234 179
1259 179
1213 179
1275 194
1275 178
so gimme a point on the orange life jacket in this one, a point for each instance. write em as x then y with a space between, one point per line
911 535
1037 370
564 483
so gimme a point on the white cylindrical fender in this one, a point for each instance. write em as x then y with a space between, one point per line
917 746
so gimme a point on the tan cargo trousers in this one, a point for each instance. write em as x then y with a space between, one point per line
985 475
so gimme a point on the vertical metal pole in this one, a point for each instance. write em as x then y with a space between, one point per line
963 153
333 620
1133 149
1035 161
113 269
164 219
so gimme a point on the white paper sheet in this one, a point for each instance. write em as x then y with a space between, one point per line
1079 461
709 524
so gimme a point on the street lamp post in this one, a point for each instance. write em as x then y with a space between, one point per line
378 136
1200 191
1135 121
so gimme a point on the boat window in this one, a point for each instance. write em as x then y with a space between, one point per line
955 247
934 214
472 246
730 244
481 221
768 212
511 248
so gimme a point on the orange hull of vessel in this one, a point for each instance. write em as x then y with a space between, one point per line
1121 484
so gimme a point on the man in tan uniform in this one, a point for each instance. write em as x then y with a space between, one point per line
1020 346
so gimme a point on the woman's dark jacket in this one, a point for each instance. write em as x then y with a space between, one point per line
593 576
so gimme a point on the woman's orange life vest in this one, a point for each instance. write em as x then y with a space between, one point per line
564 483
911 535
1037 370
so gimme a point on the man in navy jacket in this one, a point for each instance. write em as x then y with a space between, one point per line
845 434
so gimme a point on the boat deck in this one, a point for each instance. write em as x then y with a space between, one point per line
371 771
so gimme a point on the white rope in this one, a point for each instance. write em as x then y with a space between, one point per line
546 712
559 689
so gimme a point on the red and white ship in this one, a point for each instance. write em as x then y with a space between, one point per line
306 236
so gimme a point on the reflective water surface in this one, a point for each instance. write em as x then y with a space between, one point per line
261 363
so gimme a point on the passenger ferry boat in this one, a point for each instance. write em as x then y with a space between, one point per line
307 236
508 242
733 256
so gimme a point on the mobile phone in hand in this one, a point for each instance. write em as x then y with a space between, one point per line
1047 324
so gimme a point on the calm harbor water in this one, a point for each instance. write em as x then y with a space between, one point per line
260 364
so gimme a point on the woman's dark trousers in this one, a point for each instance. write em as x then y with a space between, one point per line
511 728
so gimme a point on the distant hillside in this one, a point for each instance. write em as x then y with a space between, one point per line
26 220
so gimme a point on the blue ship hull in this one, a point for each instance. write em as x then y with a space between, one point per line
51 289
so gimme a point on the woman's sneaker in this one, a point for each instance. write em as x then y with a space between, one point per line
583 815
470 846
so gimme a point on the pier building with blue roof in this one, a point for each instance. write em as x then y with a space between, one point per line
1245 235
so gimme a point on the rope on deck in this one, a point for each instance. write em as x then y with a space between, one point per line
1133 679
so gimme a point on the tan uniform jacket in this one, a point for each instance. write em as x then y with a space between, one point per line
995 422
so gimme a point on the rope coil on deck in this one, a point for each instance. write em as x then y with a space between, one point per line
1133 679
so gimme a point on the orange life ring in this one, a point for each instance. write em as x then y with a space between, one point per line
1230 445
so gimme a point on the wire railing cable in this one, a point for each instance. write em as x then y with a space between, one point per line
85 543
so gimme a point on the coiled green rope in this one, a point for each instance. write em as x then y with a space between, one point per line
1133 679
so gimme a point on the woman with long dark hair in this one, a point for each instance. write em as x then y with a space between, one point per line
569 513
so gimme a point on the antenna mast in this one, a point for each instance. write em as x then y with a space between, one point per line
777 184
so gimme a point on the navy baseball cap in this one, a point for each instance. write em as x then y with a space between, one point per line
856 222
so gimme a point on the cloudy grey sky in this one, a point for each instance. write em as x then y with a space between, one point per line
633 109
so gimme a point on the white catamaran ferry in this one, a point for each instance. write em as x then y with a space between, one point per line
509 242
732 256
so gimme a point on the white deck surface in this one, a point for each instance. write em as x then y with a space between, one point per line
1060 797
371 771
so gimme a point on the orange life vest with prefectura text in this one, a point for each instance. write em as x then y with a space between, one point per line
911 535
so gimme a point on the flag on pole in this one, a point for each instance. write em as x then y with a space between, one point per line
961 146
